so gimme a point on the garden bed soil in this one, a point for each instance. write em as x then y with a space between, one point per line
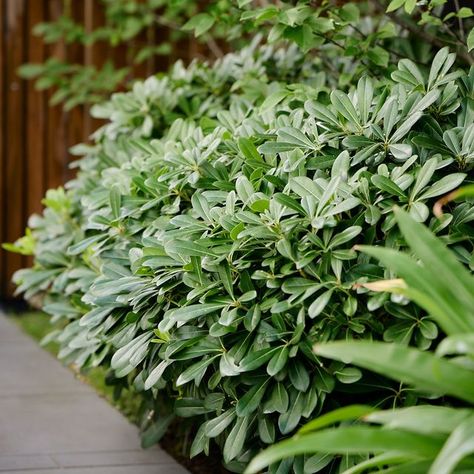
200 464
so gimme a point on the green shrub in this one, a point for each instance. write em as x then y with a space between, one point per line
425 438
206 243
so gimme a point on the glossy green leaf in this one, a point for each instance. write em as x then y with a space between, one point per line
195 371
200 23
250 401
299 376
278 361
235 441
459 445
470 40
253 360
115 201
425 371
348 440
352 412
187 249
288 420
249 150
344 106
421 419
187 313
387 185
217 425
156 374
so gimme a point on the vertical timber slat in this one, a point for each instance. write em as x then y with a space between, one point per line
35 122
94 55
3 270
75 117
14 183
55 116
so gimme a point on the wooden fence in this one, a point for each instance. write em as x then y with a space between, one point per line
34 137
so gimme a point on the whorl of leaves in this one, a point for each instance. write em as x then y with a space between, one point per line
206 243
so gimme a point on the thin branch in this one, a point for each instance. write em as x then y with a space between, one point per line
161 20
460 23
211 43
390 50
214 47
452 33
417 31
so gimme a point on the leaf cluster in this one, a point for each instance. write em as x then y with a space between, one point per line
435 437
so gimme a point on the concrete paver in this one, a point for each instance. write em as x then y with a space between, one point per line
52 423
29 370
142 469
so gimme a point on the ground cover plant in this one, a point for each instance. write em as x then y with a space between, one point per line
207 242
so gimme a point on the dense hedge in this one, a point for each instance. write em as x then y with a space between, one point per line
206 243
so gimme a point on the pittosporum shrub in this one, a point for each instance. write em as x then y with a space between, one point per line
206 243
431 437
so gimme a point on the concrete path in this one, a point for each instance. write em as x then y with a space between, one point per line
51 423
